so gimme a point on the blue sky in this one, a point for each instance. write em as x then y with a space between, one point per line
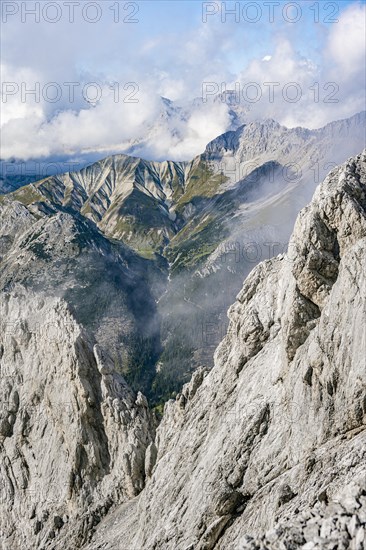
180 17
170 51
155 41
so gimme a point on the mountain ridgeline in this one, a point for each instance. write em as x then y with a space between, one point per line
265 450
149 255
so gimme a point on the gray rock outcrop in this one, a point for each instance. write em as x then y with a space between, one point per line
73 436
327 526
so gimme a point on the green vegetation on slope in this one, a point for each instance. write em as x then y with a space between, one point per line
27 195
202 182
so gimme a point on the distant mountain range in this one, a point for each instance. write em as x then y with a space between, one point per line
169 130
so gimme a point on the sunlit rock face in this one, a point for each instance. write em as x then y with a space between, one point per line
73 436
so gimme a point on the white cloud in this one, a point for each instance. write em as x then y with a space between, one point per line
105 126
347 40
331 89
174 67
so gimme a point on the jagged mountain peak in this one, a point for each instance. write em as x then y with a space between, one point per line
270 128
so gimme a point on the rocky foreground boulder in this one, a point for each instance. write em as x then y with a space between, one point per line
265 451
340 524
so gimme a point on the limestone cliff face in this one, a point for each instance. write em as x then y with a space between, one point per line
279 423
259 451
73 437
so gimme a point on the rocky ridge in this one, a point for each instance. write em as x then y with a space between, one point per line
110 288
279 423
73 436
